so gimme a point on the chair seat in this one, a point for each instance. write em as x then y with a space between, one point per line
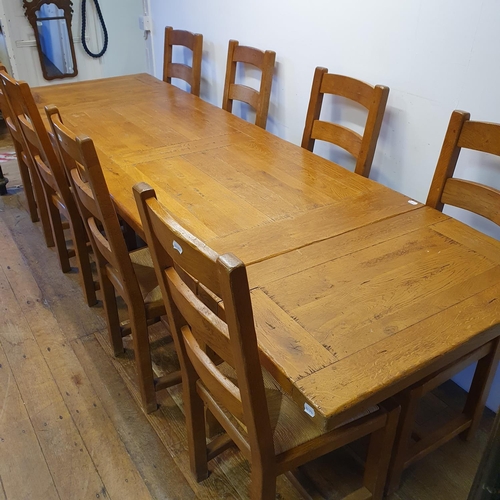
143 268
290 424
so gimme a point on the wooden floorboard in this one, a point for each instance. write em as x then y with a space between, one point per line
25 474
70 424
55 429
152 460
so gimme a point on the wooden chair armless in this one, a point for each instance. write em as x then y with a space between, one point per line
31 183
190 74
374 99
58 198
483 200
268 427
259 100
130 274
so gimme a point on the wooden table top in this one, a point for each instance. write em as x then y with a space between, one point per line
370 312
358 292
231 183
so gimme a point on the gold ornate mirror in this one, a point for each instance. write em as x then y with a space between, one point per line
51 22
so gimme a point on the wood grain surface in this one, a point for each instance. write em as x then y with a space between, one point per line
357 291
222 177
388 303
129 449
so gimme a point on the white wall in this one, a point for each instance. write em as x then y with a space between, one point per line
435 56
4 54
126 51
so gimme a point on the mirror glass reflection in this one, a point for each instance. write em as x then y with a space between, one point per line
55 45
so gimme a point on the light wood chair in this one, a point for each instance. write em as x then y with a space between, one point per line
374 99
190 74
29 176
58 199
259 100
130 274
269 428
483 200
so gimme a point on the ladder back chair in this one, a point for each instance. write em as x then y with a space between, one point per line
482 200
268 427
190 74
374 99
259 100
31 183
130 274
58 198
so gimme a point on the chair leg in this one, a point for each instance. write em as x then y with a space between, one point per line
262 482
83 261
196 434
60 239
379 453
111 311
43 210
28 187
140 339
409 404
480 387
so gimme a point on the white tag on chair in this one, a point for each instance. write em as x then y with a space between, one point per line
177 246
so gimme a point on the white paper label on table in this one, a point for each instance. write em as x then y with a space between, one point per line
309 410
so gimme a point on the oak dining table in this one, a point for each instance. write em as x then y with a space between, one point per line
358 291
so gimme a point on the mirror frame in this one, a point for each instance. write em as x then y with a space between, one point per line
30 9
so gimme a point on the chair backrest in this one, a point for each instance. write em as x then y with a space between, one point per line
53 177
82 166
374 99
190 74
26 124
196 327
29 174
4 103
7 113
259 100
447 190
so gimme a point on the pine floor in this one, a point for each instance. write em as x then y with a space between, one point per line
70 425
